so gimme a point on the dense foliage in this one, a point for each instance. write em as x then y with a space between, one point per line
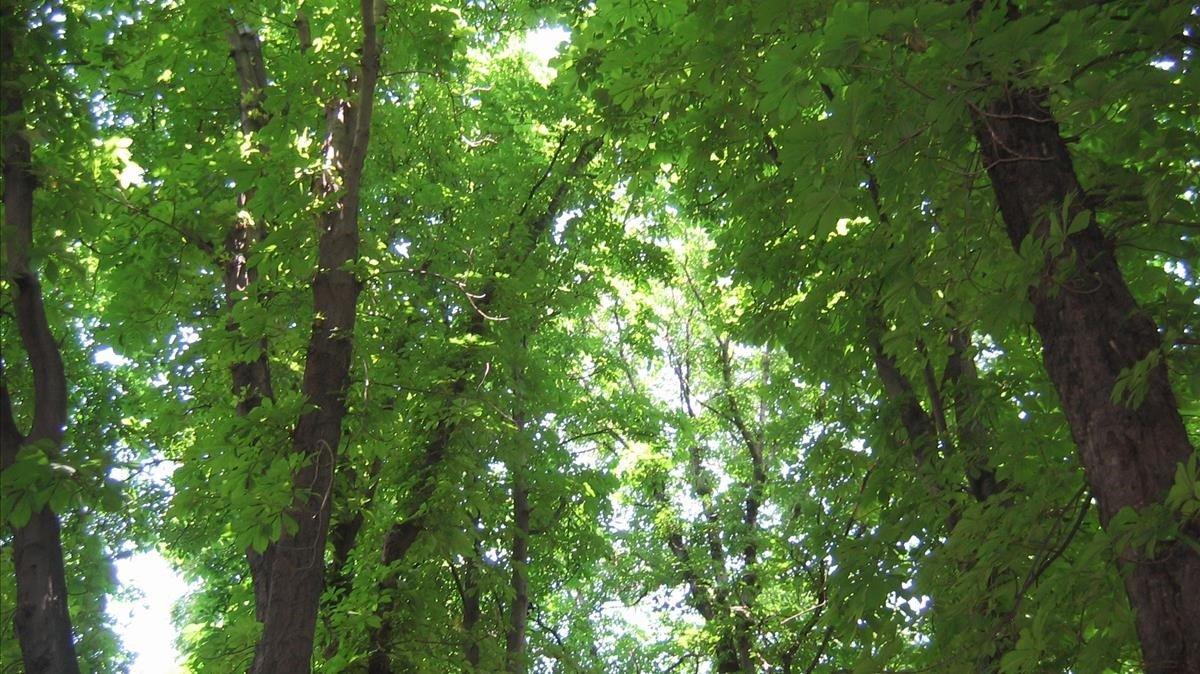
823 336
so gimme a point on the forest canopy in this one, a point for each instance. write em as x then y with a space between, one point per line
789 337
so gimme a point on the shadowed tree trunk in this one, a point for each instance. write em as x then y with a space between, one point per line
251 378
404 534
471 592
1092 329
41 618
961 378
518 613
295 569
516 639
923 429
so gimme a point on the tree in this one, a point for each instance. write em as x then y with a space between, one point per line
67 515
802 101
1097 342
42 621
835 336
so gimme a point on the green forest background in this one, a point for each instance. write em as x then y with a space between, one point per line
793 337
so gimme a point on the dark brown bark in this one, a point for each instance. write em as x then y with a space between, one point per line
518 613
1092 329
919 427
925 430
404 534
471 592
343 537
923 433
41 618
246 51
251 378
295 576
515 640
401 537
344 534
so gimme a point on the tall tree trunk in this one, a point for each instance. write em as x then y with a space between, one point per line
41 619
518 612
471 599
917 424
402 535
1092 329
295 575
251 378
924 429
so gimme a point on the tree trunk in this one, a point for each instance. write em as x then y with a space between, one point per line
518 614
402 535
1092 329
295 573
471 596
251 378
962 379
924 430
41 619
918 426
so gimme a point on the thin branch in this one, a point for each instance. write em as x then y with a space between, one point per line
537 185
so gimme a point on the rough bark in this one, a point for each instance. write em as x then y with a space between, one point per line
251 378
41 618
518 613
471 592
295 575
1091 329
41 621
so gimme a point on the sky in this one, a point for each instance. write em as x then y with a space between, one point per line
143 620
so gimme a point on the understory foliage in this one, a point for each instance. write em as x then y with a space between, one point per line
714 343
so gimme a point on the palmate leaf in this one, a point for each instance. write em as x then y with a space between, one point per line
687 368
